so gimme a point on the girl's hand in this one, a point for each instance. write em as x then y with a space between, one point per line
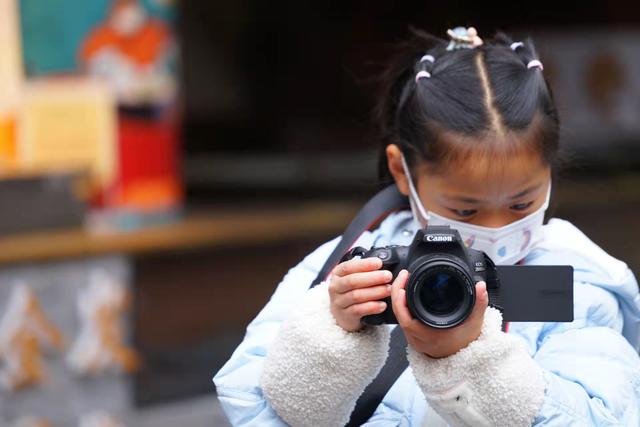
437 343
355 289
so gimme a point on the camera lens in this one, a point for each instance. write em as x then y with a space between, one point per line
441 292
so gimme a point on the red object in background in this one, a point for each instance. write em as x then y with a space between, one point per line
148 177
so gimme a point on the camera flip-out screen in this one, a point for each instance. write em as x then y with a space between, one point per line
536 293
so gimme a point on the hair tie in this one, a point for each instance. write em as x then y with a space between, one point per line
516 45
422 74
429 58
535 63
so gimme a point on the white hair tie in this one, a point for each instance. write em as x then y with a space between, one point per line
429 58
516 45
422 74
535 63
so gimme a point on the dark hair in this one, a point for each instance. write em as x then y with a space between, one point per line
487 93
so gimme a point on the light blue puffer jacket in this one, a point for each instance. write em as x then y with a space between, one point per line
590 366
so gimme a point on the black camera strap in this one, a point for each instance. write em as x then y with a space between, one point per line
373 212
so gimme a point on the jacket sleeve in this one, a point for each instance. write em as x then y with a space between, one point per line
295 364
582 373
491 382
237 382
315 370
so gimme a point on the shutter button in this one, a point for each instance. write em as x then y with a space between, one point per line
383 255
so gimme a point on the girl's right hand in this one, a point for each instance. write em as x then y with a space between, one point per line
355 288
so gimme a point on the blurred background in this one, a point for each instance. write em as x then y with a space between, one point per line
164 163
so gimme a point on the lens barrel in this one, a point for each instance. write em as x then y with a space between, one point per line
440 292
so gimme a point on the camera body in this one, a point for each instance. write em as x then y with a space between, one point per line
442 276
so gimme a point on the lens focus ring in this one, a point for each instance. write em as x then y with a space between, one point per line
440 291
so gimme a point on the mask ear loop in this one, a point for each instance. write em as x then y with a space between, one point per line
414 199
547 200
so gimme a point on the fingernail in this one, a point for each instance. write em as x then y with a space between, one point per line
483 286
383 306
388 276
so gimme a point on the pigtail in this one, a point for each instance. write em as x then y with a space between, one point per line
535 94
396 82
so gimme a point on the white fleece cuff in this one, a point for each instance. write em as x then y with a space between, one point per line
491 382
315 370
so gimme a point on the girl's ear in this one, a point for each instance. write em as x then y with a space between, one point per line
394 163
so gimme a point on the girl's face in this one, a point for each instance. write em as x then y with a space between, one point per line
487 192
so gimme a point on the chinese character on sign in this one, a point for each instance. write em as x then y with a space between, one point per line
24 329
100 344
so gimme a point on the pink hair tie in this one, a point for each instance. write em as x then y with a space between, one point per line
535 63
422 74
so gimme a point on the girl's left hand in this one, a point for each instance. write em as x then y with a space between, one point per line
437 343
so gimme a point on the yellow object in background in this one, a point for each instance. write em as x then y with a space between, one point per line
68 125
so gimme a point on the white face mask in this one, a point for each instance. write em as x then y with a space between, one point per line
504 245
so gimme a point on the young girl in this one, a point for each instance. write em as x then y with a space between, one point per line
470 134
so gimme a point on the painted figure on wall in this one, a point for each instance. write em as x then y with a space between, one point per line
133 52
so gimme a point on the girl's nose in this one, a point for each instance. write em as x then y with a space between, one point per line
495 219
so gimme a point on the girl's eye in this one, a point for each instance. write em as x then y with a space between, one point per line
464 212
521 206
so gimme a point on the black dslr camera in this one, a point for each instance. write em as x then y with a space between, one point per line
442 276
